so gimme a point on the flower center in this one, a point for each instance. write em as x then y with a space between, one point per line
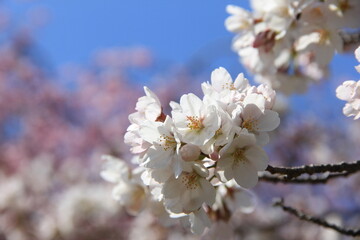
239 155
167 142
190 180
229 86
250 124
195 123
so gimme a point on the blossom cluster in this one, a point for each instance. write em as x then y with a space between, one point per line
191 159
289 43
350 91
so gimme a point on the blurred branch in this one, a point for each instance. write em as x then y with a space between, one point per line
307 180
316 220
294 172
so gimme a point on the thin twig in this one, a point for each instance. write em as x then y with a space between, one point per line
316 220
307 180
293 172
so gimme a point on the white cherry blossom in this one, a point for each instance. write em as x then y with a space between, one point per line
276 37
199 220
239 20
350 91
129 190
241 160
195 122
205 147
357 55
259 122
223 90
148 108
188 192
164 145
223 135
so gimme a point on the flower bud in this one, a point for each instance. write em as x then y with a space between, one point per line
190 152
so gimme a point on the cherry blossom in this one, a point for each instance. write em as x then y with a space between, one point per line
281 39
350 91
129 191
202 146
187 193
195 122
241 160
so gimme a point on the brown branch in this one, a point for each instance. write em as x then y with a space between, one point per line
316 220
307 180
294 172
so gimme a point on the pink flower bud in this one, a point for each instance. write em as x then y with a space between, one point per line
190 152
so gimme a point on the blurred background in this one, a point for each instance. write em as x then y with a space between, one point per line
70 74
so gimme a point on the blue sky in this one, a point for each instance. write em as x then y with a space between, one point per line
174 30
177 31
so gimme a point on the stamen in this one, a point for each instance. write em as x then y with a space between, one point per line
250 124
190 180
195 123
167 142
229 86
239 155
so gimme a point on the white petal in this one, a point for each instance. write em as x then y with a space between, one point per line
245 200
151 94
149 131
262 138
113 169
199 221
257 99
269 121
177 167
175 106
161 175
220 78
244 139
229 173
209 192
257 157
245 174
357 54
251 111
345 90
225 162
241 83
191 104
192 199
158 158
348 110
171 188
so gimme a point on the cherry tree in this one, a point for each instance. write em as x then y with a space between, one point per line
201 159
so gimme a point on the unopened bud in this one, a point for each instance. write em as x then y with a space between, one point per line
190 152
214 156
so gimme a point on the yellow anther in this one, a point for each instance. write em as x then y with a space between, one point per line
229 86
239 155
250 124
190 180
195 123
167 142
